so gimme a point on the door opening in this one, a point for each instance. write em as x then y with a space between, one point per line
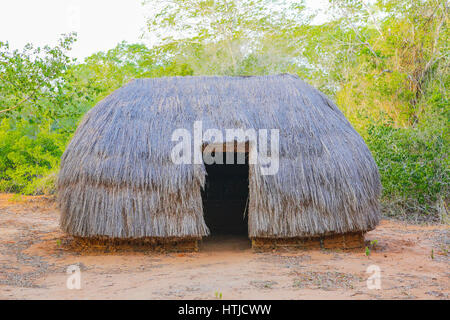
225 196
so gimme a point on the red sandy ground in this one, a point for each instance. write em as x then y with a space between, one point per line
34 256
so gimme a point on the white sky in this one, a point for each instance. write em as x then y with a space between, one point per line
100 24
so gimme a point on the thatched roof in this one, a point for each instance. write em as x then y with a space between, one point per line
117 178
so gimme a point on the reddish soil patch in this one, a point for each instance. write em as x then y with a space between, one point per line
35 254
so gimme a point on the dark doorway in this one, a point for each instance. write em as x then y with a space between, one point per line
225 197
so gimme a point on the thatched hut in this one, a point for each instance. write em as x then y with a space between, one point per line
118 180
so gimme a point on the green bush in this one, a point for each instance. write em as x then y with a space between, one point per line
413 164
29 152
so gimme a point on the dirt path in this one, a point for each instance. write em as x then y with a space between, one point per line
413 262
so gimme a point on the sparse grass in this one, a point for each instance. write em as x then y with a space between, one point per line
325 280
16 198
263 284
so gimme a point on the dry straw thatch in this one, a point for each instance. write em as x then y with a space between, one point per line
117 178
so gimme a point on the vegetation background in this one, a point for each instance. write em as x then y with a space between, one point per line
384 62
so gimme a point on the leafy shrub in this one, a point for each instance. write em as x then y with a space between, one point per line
28 153
413 164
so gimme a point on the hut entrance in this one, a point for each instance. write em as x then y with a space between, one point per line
225 196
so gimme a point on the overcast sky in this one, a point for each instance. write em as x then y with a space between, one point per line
100 24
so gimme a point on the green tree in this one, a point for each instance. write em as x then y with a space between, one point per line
379 55
103 72
32 81
230 37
